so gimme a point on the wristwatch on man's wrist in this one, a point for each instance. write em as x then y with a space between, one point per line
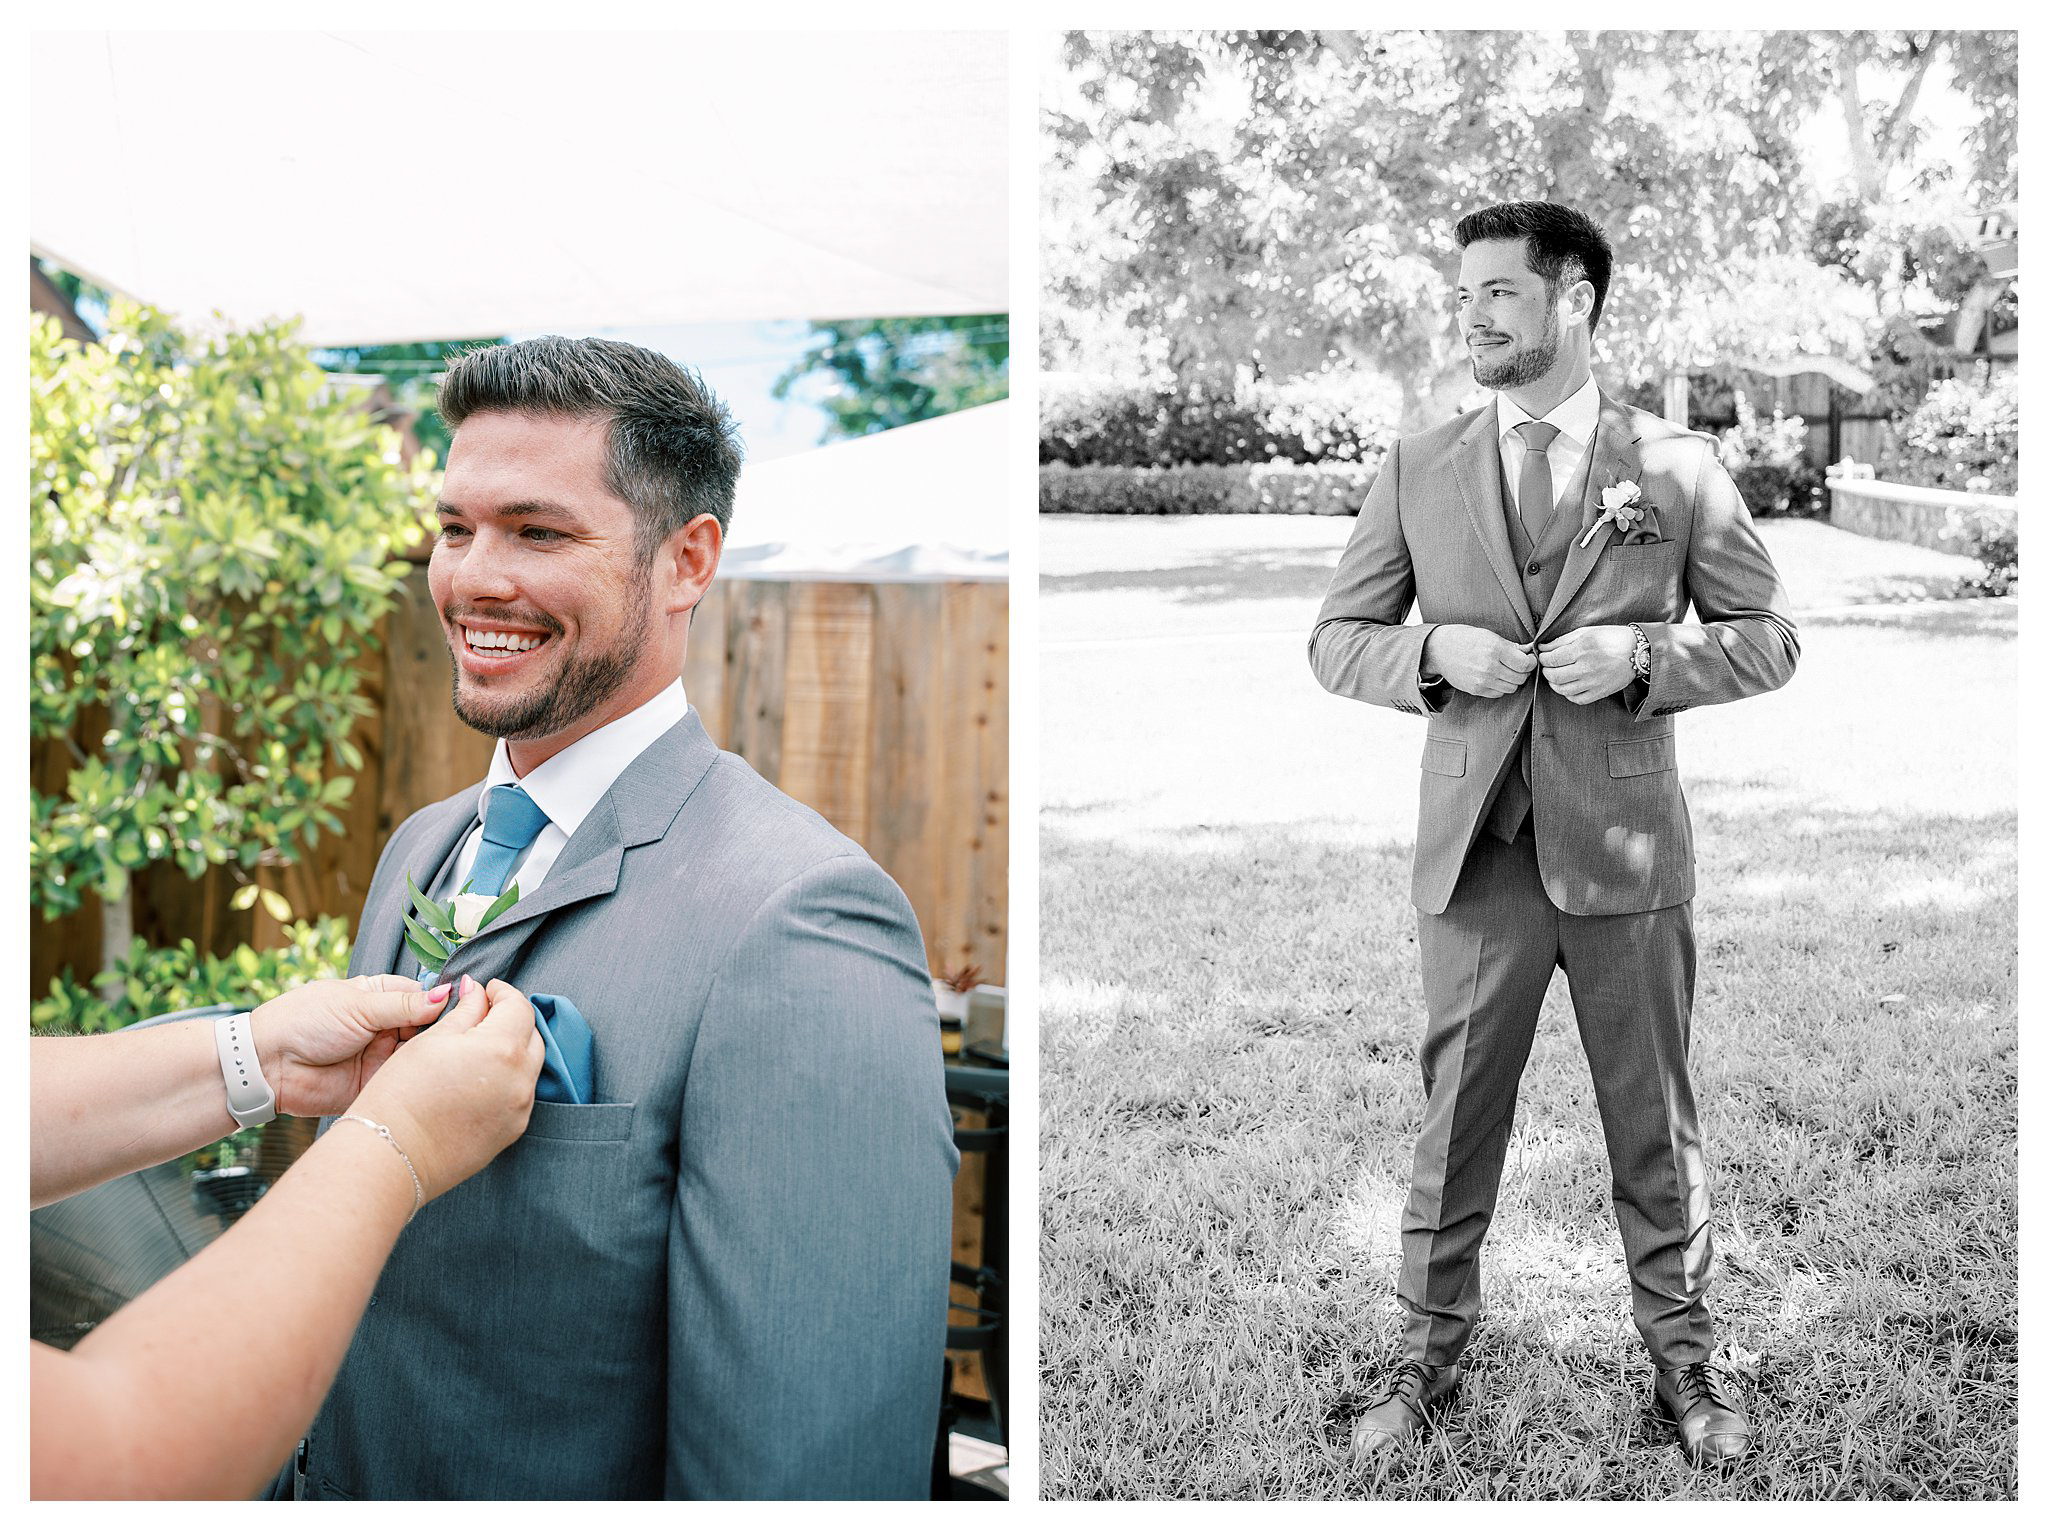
1641 657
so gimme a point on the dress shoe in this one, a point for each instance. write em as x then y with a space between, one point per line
1698 1400
1395 1415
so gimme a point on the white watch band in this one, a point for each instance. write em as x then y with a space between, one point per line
251 1101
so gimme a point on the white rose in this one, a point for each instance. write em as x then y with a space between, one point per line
467 910
1614 496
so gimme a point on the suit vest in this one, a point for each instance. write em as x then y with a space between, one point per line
1541 562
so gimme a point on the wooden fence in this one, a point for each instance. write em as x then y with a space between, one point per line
1838 423
884 706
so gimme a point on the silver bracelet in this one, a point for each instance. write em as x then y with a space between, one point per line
251 1101
419 1198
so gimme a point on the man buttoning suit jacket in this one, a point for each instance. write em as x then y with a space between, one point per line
724 1274
1552 543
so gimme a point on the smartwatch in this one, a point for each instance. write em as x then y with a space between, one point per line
251 1101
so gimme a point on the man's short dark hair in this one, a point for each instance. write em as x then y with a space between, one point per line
1565 246
675 452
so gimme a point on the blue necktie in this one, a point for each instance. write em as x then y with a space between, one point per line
512 822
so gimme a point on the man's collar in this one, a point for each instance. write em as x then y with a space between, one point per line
568 784
1575 417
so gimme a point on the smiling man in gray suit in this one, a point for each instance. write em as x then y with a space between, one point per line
718 1267
1552 543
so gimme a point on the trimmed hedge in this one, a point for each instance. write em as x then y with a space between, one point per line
1098 423
1199 489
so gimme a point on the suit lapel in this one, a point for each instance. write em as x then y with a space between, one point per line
380 938
1475 462
640 808
1613 457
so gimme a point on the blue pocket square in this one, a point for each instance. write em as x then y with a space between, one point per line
569 1074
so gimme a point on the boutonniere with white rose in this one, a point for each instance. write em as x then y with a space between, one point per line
436 932
1621 504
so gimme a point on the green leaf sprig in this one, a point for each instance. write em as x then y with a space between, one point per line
430 929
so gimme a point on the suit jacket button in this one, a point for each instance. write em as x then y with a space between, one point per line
1534 566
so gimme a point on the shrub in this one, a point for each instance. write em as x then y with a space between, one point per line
1117 425
153 980
1768 463
1963 430
1991 535
1094 423
1330 418
1196 489
213 538
1097 422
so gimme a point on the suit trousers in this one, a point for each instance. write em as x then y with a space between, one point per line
1486 962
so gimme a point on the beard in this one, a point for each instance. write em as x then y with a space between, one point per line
585 682
1525 364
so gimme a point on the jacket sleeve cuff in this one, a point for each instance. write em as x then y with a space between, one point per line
1647 700
1431 691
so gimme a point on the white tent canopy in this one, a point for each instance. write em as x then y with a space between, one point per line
426 186
922 502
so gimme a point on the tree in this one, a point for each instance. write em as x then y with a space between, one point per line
1891 224
1273 204
413 373
882 373
211 544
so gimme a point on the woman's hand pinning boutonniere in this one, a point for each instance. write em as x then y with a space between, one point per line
436 932
1620 503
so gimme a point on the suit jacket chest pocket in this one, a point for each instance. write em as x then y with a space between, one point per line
584 1202
573 1170
1632 584
555 1122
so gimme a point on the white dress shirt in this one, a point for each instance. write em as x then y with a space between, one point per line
1575 419
569 784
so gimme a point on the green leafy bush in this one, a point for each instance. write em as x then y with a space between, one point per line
1104 424
213 532
1196 489
1768 462
1965 435
154 980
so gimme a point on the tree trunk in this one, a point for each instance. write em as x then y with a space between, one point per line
117 937
1677 401
1875 147
1863 160
1973 312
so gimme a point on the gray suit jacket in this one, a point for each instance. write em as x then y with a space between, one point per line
726 1278
1612 832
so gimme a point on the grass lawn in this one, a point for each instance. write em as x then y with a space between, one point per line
1228 1092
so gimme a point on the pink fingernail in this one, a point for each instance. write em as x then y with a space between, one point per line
438 993
468 983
